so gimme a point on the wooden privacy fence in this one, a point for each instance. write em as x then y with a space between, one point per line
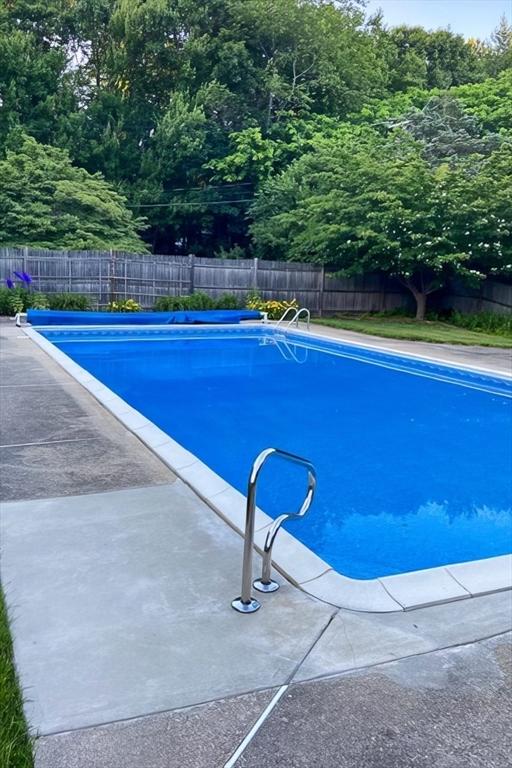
109 276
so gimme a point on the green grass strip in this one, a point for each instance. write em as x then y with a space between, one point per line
413 330
15 743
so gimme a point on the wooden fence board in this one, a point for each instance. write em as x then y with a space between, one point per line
107 276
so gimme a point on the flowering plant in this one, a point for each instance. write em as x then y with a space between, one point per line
125 305
24 278
273 307
19 295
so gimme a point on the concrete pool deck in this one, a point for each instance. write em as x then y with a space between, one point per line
295 561
119 580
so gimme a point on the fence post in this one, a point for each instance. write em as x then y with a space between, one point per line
100 285
112 278
24 260
191 275
255 273
321 292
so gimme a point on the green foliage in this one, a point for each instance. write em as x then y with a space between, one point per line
363 202
19 299
410 329
228 301
488 322
236 252
499 56
124 305
196 301
5 306
489 101
36 300
12 300
255 157
447 132
46 202
187 109
275 308
69 301
437 59
15 746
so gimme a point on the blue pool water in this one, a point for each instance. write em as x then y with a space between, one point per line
414 460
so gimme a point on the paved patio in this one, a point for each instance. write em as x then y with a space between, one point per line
119 580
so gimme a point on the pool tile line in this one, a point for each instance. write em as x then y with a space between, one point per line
271 330
292 558
507 375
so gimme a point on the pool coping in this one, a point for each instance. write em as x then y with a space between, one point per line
291 558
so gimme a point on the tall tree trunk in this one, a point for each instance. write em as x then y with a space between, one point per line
421 304
420 297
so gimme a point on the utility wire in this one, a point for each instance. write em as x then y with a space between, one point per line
227 185
197 202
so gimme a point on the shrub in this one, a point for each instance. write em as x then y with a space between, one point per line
274 308
13 300
69 301
37 301
236 252
196 301
489 322
5 307
228 301
124 305
18 299
175 303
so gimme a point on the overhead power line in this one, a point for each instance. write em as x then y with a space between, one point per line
206 187
195 202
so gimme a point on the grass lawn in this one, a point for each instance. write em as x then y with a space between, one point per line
15 749
414 330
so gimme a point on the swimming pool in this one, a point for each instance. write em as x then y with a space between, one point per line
413 457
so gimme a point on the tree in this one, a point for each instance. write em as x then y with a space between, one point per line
500 50
33 84
447 131
255 156
191 106
439 59
490 101
363 203
45 202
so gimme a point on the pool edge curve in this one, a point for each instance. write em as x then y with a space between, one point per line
299 564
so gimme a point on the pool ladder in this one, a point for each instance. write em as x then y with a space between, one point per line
246 603
296 316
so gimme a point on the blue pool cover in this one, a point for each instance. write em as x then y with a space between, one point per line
413 458
183 317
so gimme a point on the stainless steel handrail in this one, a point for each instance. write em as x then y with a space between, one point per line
285 314
295 318
246 603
